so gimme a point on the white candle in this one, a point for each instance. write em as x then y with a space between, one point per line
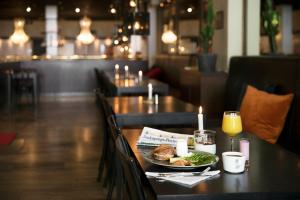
181 147
200 119
150 89
140 76
156 99
126 70
117 68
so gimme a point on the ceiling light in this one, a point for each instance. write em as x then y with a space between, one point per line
113 10
137 25
168 36
132 3
28 9
85 36
124 38
107 41
116 42
189 9
77 10
19 36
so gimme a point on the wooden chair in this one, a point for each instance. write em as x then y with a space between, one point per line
105 111
104 84
133 187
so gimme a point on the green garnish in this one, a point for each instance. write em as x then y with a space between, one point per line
200 158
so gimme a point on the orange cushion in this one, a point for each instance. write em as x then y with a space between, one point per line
263 114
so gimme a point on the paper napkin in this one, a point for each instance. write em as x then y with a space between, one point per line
183 179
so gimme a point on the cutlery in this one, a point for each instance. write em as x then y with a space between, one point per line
182 174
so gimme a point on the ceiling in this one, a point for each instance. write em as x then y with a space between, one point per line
96 9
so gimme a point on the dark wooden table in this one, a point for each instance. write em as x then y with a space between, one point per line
132 86
136 111
274 173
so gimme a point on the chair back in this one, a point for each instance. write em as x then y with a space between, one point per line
133 184
104 84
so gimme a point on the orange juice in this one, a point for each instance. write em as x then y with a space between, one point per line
232 124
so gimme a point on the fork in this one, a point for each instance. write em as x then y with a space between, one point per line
183 174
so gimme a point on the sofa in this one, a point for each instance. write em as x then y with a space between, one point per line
262 72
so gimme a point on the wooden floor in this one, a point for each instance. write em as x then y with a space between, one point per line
56 153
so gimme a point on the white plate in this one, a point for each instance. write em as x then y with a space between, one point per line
147 154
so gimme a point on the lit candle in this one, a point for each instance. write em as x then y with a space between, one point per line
126 71
117 71
156 99
140 76
117 68
150 90
200 119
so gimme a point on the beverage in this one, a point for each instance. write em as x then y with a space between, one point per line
233 162
232 124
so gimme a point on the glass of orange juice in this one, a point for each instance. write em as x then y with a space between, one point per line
232 124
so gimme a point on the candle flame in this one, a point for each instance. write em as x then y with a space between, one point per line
150 85
200 110
117 66
140 73
126 67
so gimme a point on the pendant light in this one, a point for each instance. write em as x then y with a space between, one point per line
141 19
168 36
19 36
85 36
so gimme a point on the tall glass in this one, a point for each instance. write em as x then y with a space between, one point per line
232 125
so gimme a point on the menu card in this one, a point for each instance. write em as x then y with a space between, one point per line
155 137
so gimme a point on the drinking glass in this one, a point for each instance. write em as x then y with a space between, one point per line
232 125
204 140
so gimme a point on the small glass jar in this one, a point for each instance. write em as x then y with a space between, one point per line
205 140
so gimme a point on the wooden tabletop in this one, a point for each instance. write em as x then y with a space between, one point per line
136 110
274 173
133 86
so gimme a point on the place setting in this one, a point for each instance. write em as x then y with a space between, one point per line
188 159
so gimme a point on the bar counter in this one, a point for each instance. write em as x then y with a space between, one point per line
71 76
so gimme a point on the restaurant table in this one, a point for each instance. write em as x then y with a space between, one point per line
133 86
274 173
137 111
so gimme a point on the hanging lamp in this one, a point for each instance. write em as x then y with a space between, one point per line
168 36
85 36
19 36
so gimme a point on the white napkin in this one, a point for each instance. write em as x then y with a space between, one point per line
182 179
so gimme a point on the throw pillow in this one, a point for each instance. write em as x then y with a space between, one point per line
264 114
155 73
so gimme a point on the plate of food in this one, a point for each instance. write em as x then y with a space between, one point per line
165 155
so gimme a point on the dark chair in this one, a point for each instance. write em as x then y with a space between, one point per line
24 83
105 86
132 187
105 111
128 179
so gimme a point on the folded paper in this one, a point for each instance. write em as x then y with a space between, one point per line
155 137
